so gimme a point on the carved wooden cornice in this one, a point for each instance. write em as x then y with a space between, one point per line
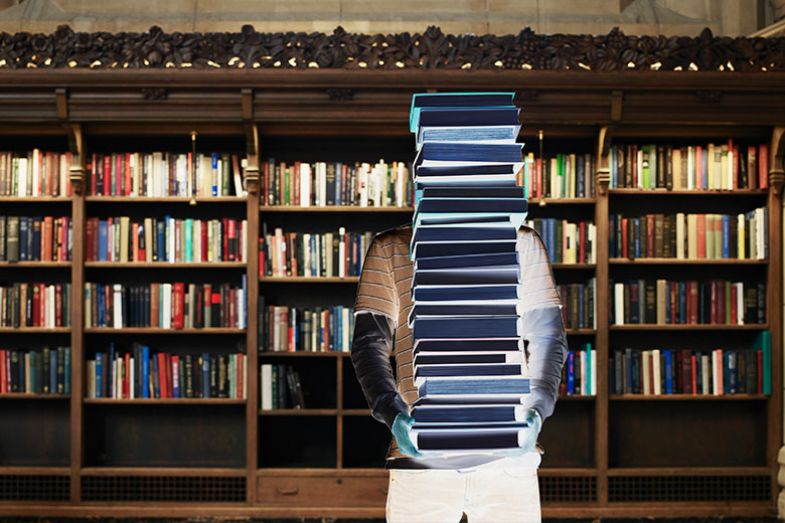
429 50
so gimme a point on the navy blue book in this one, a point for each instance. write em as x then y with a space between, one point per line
466 327
466 205
456 370
480 439
462 99
436 359
469 414
469 152
484 309
479 293
473 192
468 345
455 219
430 250
464 170
469 260
474 387
457 233
468 276
469 117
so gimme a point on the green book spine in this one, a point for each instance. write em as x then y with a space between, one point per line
189 226
766 347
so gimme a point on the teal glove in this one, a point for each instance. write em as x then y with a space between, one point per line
401 427
534 422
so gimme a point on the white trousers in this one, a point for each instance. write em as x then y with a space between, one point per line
502 491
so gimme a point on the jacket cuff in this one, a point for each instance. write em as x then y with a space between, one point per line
388 406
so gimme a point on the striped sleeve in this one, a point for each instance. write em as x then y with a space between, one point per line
537 282
376 291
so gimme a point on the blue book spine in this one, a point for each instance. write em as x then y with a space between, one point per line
725 236
614 169
99 371
53 369
154 371
726 372
206 375
103 240
705 161
160 240
732 373
570 372
338 183
668 372
636 241
628 367
67 370
587 372
145 371
215 174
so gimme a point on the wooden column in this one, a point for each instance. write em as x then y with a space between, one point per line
602 177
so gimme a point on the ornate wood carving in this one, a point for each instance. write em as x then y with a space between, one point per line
431 49
777 160
603 174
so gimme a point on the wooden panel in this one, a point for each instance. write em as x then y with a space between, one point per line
316 491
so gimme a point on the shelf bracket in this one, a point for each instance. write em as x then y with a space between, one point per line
251 143
777 160
77 171
603 174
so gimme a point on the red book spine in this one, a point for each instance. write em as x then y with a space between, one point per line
3 385
58 305
108 175
759 368
128 181
539 177
700 182
134 242
225 241
763 166
161 375
178 305
713 307
734 296
261 257
582 243
169 383
37 289
694 369
217 319
203 231
232 238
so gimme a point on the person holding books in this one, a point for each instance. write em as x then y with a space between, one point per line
493 487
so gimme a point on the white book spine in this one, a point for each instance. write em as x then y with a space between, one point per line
266 379
593 365
657 371
705 374
618 303
680 235
646 361
117 306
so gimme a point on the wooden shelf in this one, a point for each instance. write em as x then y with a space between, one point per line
33 396
162 471
688 397
166 199
675 261
309 279
699 327
706 193
298 412
580 332
335 208
544 202
35 330
687 471
35 199
163 401
306 354
9 470
164 265
35 265
573 266
160 330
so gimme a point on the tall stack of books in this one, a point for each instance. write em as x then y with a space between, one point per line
468 360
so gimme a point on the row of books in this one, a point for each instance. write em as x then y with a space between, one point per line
669 371
312 254
687 302
165 239
36 371
567 242
317 329
35 173
320 184
567 175
175 305
280 387
691 236
695 167
35 238
160 174
144 373
579 373
578 304
24 304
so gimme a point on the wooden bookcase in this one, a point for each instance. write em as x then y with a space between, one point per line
605 456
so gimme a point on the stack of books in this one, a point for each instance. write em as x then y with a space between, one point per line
468 359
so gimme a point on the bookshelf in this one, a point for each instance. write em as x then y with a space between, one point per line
222 457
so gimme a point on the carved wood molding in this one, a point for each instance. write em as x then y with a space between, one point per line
777 160
431 49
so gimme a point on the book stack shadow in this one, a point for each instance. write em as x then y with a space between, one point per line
469 366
